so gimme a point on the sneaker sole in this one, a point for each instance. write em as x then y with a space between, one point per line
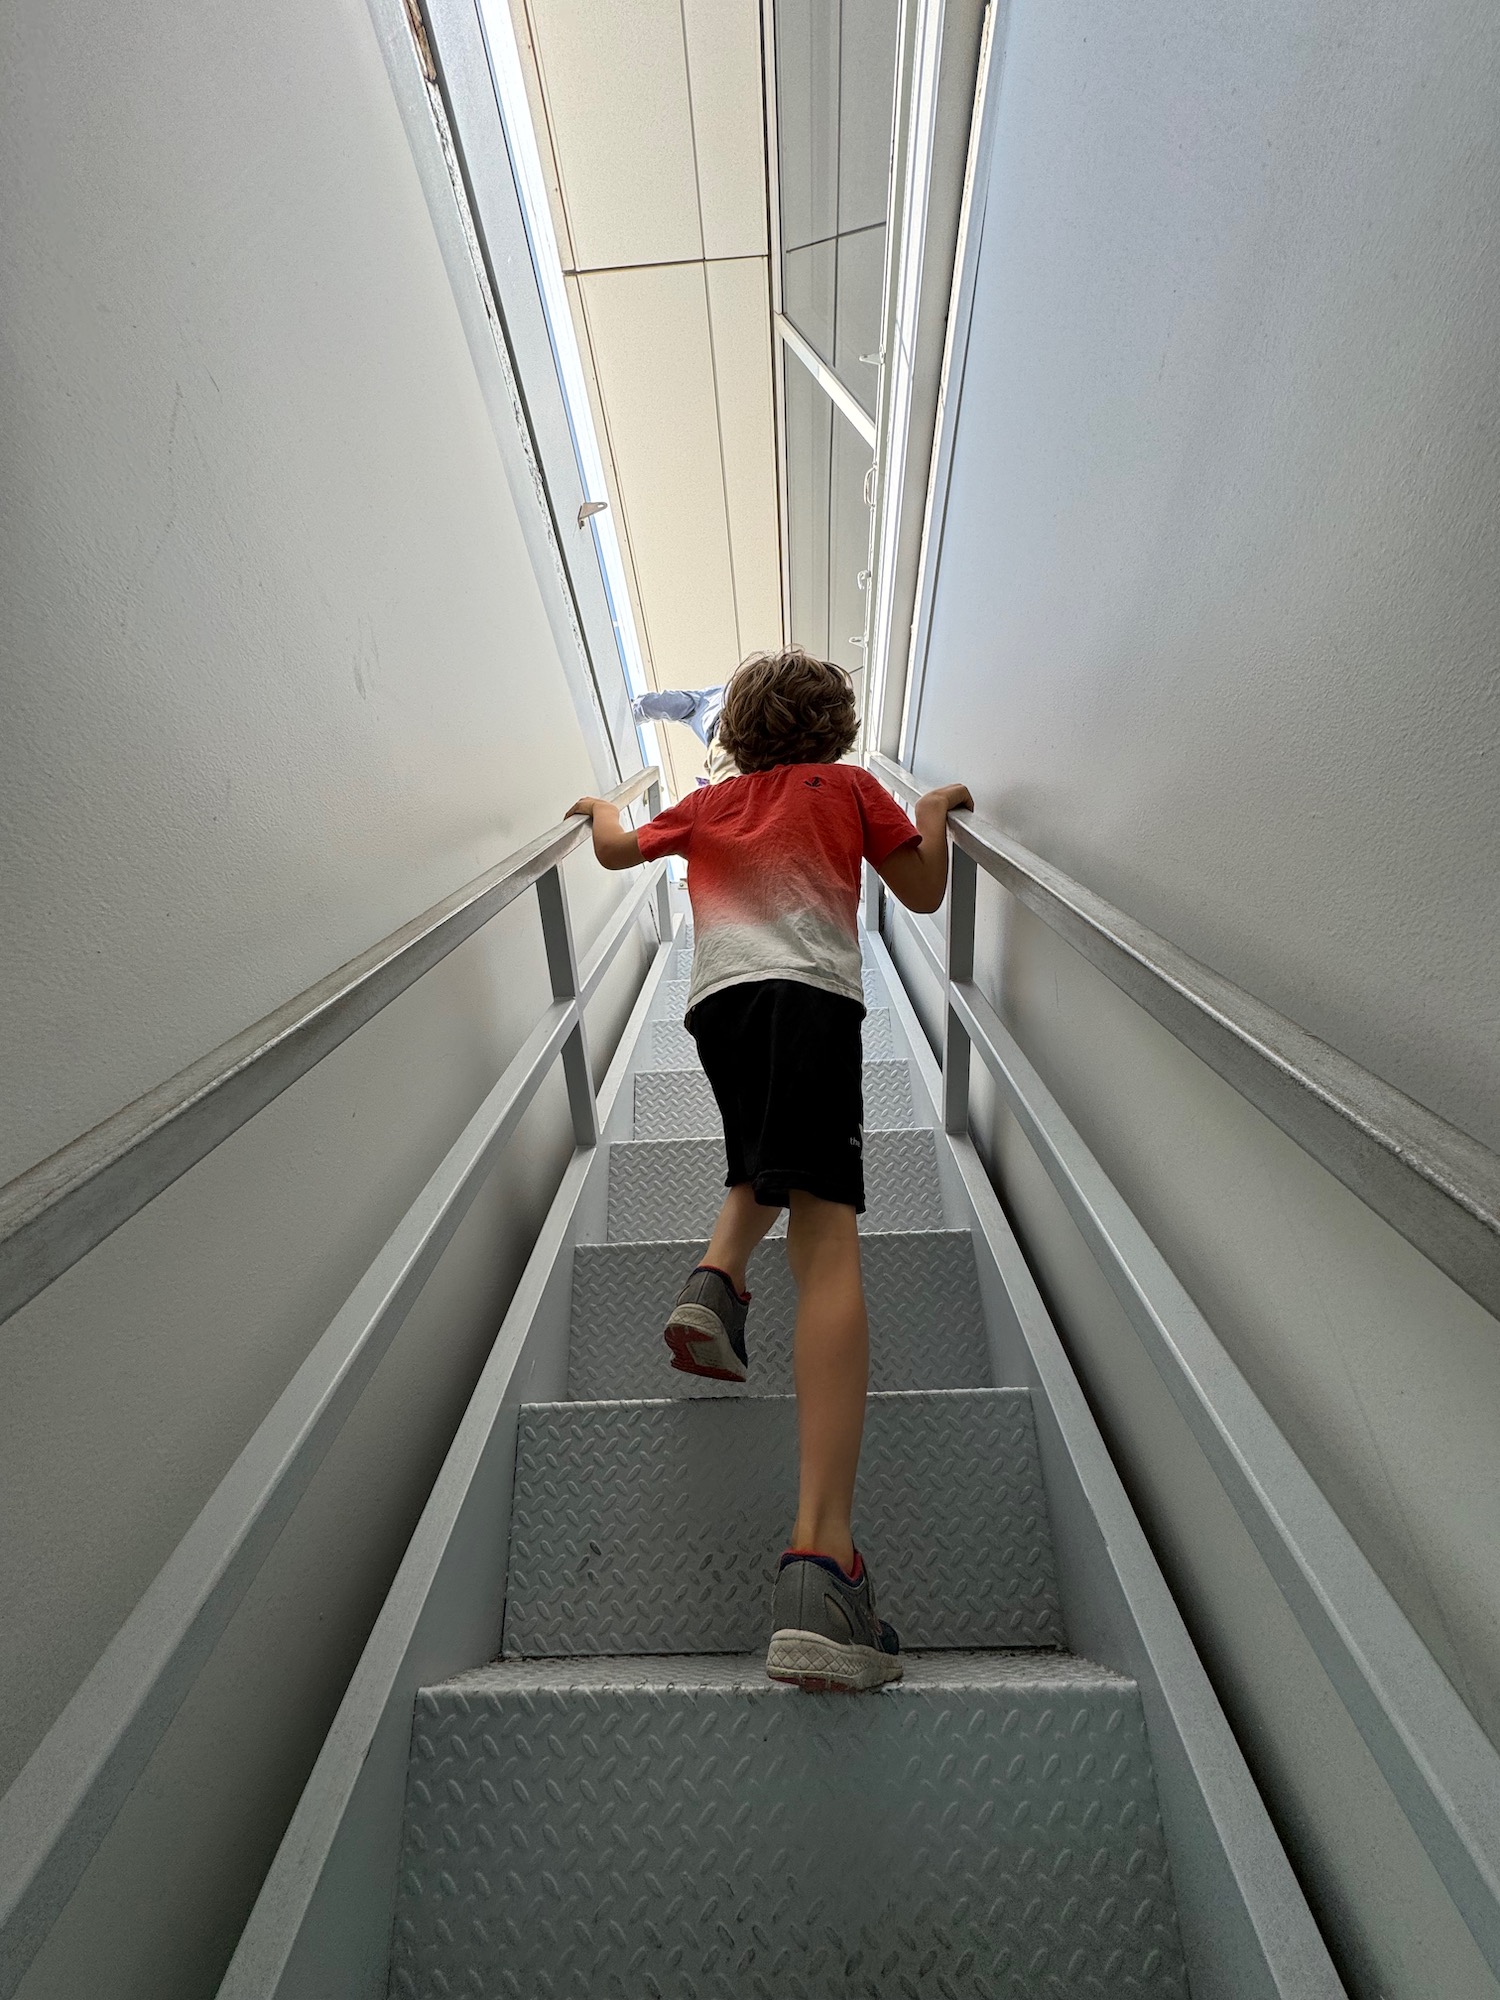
822 1666
706 1351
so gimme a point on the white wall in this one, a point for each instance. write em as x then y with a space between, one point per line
278 672
1214 630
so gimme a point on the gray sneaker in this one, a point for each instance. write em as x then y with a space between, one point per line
706 1330
827 1637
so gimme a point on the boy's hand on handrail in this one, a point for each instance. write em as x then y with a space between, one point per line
918 876
615 844
952 798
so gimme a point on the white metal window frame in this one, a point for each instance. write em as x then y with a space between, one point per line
945 59
955 353
449 92
787 340
497 27
942 63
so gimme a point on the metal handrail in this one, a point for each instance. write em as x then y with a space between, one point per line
1442 1770
1434 1183
68 1794
58 1210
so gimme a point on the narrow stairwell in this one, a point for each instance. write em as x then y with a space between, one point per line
623 1805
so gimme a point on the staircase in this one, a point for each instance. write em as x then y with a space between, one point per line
622 1804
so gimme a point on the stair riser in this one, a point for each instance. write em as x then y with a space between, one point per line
926 1322
656 1527
671 1189
687 1843
672 1047
678 1103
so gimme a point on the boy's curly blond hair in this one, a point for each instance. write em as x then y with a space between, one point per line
787 708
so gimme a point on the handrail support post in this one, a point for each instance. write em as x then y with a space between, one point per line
963 882
562 964
663 887
873 890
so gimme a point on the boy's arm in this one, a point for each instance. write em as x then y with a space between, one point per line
615 844
918 875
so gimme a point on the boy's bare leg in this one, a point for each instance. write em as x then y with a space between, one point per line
831 1361
742 1222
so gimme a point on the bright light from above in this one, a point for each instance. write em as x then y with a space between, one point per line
526 161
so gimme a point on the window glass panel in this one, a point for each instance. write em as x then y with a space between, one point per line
828 522
848 548
808 293
835 87
858 292
807 119
867 88
809 424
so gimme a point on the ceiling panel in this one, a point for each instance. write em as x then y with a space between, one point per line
614 79
739 304
651 115
682 755
536 101
650 338
724 68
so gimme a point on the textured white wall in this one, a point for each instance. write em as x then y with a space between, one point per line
278 673
1215 630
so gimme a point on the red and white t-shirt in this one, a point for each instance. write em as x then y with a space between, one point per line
773 872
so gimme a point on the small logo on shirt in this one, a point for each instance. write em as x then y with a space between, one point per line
813 784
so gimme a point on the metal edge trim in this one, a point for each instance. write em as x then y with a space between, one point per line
57 1211
393 1664
825 378
1435 1184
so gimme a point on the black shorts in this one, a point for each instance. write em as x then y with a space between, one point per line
785 1064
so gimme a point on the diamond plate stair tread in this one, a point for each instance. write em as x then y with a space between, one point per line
987 1828
926 1321
660 1188
654 1527
678 1103
672 1047
976 1671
